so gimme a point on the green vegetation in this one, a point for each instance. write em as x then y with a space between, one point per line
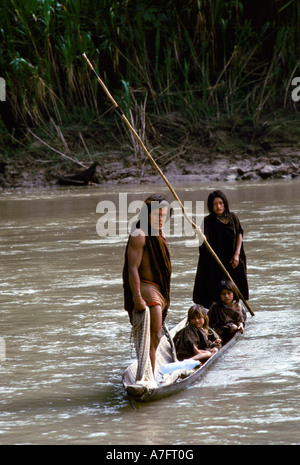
198 59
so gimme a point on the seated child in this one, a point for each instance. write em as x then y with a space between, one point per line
226 316
196 340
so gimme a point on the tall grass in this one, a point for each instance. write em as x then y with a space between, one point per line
201 57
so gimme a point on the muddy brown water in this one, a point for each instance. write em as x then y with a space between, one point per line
65 338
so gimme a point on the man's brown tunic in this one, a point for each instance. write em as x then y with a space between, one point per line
160 262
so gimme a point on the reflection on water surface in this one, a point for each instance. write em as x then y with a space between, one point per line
68 338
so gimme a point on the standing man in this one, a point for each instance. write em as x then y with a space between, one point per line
147 268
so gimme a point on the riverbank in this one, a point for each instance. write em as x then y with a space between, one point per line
202 154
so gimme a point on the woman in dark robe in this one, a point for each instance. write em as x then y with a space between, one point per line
224 233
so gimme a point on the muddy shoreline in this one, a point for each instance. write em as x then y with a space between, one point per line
201 153
279 163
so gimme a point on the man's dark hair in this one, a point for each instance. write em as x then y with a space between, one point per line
152 203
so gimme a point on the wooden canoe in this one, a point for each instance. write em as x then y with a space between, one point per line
175 382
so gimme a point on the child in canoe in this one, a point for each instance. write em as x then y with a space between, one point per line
226 316
196 340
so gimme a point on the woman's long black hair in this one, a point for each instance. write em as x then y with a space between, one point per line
213 196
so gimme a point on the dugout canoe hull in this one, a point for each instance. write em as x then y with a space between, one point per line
142 393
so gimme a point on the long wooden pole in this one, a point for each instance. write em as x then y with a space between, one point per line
194 226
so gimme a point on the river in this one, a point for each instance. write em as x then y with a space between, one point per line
65 338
